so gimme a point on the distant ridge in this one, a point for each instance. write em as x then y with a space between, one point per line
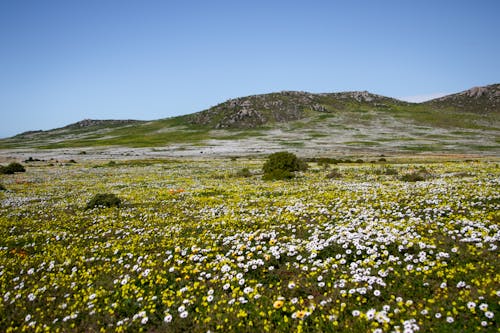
258 110
95 122
478 99
468 122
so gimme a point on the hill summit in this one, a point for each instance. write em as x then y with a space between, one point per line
259 110
478 99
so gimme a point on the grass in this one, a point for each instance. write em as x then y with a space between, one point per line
296 144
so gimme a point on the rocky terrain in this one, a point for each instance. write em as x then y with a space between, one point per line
478 99
282 107
309 124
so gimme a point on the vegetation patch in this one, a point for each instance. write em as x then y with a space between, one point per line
282 165
190 252
102 200
12 168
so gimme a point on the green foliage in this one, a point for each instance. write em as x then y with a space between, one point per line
386 170
284 161
334 174
12 168
281 165
104 200
244 173
2 188
416 176
278 174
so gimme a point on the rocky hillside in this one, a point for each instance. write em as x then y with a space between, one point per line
466 122
476 100
267 109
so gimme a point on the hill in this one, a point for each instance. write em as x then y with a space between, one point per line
466 122
477 100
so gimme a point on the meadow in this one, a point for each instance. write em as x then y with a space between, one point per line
196 248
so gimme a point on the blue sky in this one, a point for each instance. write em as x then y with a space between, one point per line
63 61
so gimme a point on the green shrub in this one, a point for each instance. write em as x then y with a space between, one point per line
386 170
244 173
104 200
12 168
416 176
281 165
284 161
278 174
335 173
2 188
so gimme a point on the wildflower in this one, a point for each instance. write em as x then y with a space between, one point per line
168 318
489 314
370 314
483 307
183 314
356 313
300 314
471 305
278 304
450 319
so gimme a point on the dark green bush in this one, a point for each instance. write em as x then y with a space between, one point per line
104 200
278 174
416 176
281 165
12 168
244 173
284 161
2 188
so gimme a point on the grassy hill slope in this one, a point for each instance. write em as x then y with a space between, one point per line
463 122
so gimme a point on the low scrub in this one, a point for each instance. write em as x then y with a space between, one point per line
12 168
278 174
416 176
334 174
282 165
244 173
104 200
386 170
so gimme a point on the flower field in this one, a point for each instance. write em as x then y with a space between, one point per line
196 248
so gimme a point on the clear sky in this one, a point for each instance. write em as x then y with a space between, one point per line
64 61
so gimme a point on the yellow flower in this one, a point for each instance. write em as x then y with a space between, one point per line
278 304
300 314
